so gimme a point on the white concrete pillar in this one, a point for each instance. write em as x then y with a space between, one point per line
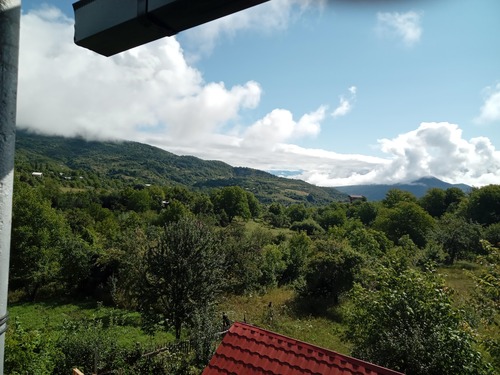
10 14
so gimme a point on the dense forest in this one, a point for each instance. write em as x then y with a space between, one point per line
409 283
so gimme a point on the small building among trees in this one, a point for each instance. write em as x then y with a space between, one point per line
354 198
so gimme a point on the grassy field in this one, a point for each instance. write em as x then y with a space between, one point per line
281 317
50 317
276 311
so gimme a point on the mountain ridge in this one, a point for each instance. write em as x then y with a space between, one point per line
375 192
129 163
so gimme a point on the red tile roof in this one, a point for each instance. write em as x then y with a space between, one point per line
247 349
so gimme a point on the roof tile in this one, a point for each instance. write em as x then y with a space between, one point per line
247 349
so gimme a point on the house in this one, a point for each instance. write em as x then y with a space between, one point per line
353 198
246 349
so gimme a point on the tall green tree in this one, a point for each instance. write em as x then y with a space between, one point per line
459 237
183 273
276 215
395 196
331 271
296 212
299 249
231 201
434 202
331 216
453 197
366 212
484 205
407 322
405 218
38 233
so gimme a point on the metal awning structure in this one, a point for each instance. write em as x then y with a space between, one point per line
112 26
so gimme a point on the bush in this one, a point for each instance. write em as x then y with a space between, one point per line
406 321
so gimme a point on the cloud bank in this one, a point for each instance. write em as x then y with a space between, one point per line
151 94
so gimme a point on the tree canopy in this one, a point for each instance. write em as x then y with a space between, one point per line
183 273
407 322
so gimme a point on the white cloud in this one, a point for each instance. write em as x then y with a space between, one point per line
403 25
343 108
438 149
279 126
490 110
433 149
67 90
345 104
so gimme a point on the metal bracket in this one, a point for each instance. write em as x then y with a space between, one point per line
3 322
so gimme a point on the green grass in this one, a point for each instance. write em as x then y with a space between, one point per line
458 277
49 317
283 318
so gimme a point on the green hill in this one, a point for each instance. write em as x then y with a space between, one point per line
84 163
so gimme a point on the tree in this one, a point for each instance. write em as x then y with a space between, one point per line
296 212
492 234
231 201
310 226
28 352
174 211
406 321
38 232
299 248
366 212
395 196
253 205
484 205
453 196
183 273
331 271
137 200
330 216
243 260
272 265
434 202
459 238
368 241
405 218
276 215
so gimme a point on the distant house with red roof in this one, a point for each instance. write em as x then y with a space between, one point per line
246 349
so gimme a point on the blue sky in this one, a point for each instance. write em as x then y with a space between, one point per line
340 92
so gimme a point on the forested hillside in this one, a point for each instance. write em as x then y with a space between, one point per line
118 164
105 266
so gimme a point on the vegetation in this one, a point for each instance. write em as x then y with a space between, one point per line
406 321
158 263
77 163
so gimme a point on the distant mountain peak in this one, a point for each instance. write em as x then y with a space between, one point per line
418 188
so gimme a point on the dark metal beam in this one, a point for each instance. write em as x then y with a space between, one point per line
112 26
